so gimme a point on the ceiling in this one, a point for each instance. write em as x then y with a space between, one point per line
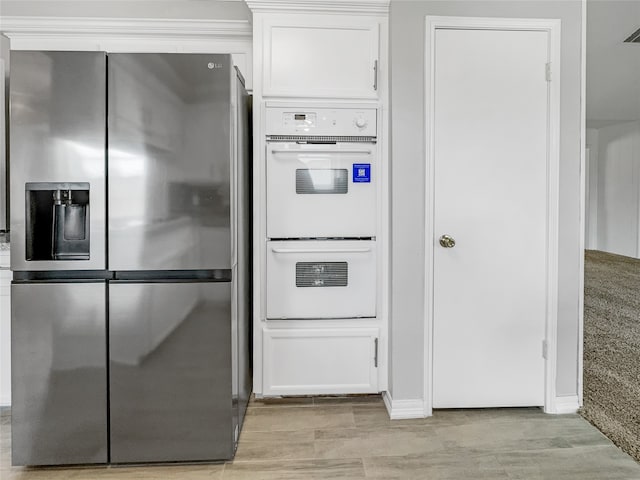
613 67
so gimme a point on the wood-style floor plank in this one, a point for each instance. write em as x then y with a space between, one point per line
352 438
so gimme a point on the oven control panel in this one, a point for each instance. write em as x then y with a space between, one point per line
321 121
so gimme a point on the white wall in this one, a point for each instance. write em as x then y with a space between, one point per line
613 67
192 9
408 189
613 113
591 193
618 189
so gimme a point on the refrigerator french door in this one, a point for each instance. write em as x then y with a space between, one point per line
58 135
170 165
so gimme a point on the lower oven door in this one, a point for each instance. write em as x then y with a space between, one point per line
321 190
321 279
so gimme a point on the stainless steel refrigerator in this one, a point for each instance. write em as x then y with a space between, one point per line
130 251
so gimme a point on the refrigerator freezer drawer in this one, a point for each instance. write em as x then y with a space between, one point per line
59 385
170 372
321 279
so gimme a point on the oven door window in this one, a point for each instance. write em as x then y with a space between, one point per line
322 274
322 181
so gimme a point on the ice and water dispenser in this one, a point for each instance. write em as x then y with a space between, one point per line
57 221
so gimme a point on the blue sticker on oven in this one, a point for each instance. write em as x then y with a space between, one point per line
361 173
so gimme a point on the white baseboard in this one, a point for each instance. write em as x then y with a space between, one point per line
402 409
565 405
5 400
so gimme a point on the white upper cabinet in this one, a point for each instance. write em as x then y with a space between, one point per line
322 56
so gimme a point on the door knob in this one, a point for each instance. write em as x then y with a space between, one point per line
447 241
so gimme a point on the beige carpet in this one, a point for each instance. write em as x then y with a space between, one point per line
612 348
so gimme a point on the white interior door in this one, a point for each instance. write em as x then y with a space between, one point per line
490 160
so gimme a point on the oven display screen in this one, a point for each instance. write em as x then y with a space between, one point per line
299 116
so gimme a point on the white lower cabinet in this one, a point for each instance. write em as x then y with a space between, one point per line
316 361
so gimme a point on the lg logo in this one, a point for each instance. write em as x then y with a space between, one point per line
213 65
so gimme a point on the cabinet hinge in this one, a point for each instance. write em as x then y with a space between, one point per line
375 354
547 71
544 349
375 75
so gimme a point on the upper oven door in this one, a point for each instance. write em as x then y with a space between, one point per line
321 190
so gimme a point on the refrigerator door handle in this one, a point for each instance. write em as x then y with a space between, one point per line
234 184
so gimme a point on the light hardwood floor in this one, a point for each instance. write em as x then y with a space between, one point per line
353 438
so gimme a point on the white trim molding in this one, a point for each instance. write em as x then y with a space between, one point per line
565 405
583 197
320 6
49 26
403 409
552 27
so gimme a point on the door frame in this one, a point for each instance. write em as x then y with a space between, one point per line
552 27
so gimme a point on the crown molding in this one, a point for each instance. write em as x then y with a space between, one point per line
319 6
17 26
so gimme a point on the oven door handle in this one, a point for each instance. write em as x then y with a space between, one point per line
276 151
320 250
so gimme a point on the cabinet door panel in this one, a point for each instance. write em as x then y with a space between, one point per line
320 361
320 60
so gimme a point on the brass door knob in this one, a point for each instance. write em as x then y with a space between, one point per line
447 241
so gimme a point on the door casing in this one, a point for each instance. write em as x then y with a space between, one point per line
552 27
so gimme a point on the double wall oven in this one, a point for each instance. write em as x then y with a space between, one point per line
321 221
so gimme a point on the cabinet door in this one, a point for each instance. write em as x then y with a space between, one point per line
320 57
320 361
